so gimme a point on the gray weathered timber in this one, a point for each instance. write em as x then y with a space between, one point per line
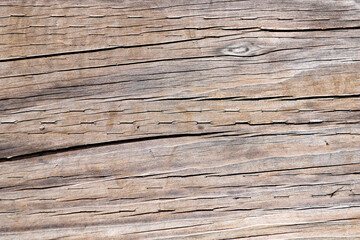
180 119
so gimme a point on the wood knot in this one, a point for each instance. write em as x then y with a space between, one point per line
243 49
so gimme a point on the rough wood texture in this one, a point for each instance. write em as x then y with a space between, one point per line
180 119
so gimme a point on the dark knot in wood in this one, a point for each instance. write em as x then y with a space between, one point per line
244 49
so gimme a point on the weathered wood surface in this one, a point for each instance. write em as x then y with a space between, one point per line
180 119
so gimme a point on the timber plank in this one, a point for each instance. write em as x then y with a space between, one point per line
144 188
87 104
179 119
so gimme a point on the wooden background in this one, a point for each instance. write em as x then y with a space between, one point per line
162 119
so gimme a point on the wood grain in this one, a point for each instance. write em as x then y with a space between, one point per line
179 119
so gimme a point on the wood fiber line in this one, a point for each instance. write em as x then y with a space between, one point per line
180 119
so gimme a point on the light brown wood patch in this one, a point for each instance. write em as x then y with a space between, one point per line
180 119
